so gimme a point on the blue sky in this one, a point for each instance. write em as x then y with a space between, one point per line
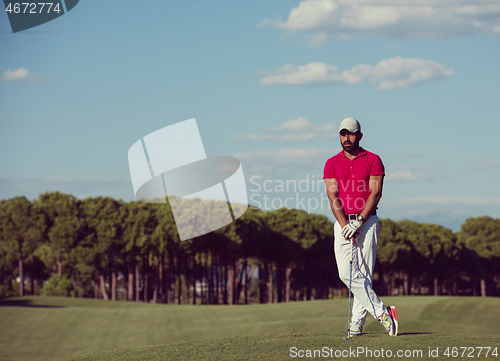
268 82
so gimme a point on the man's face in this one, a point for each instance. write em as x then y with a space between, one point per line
350 141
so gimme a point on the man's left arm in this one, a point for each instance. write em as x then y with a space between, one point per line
376 183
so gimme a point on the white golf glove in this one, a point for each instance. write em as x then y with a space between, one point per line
351 228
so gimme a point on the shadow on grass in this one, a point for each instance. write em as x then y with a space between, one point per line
378 334
24 303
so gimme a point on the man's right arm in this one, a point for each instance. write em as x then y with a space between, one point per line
332 190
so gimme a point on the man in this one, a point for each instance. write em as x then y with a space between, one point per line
354 180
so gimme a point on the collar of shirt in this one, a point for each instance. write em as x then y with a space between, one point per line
360 154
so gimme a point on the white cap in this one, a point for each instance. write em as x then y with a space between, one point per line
351 125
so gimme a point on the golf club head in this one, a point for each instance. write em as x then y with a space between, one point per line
348 337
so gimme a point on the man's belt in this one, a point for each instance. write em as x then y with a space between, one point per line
354 216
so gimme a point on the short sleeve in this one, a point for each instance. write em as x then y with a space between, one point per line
329 171
376 166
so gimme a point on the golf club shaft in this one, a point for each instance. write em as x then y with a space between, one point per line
350 284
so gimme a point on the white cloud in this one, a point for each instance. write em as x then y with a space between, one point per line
287 155
294 130
264 23
318 39
450 211
298 123
404 175
389 73
446 215
488 166
286 162
22 75
80 187
347 19
309 14
422 171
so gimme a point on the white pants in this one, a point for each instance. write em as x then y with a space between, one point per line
363 261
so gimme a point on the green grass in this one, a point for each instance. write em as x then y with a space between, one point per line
50 328
283 347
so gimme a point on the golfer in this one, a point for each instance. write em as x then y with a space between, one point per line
354 180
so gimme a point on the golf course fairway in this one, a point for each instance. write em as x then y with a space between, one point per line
56 328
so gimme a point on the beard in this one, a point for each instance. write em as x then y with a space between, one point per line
349 146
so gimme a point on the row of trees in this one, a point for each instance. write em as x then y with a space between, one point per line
104 248
428 258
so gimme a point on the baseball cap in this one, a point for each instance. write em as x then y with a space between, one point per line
351 125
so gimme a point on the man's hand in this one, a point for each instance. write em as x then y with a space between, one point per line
351 228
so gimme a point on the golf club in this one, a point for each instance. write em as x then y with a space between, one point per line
350 284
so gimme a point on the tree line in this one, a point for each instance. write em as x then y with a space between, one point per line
105 248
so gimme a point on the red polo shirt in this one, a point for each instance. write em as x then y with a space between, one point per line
353 177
